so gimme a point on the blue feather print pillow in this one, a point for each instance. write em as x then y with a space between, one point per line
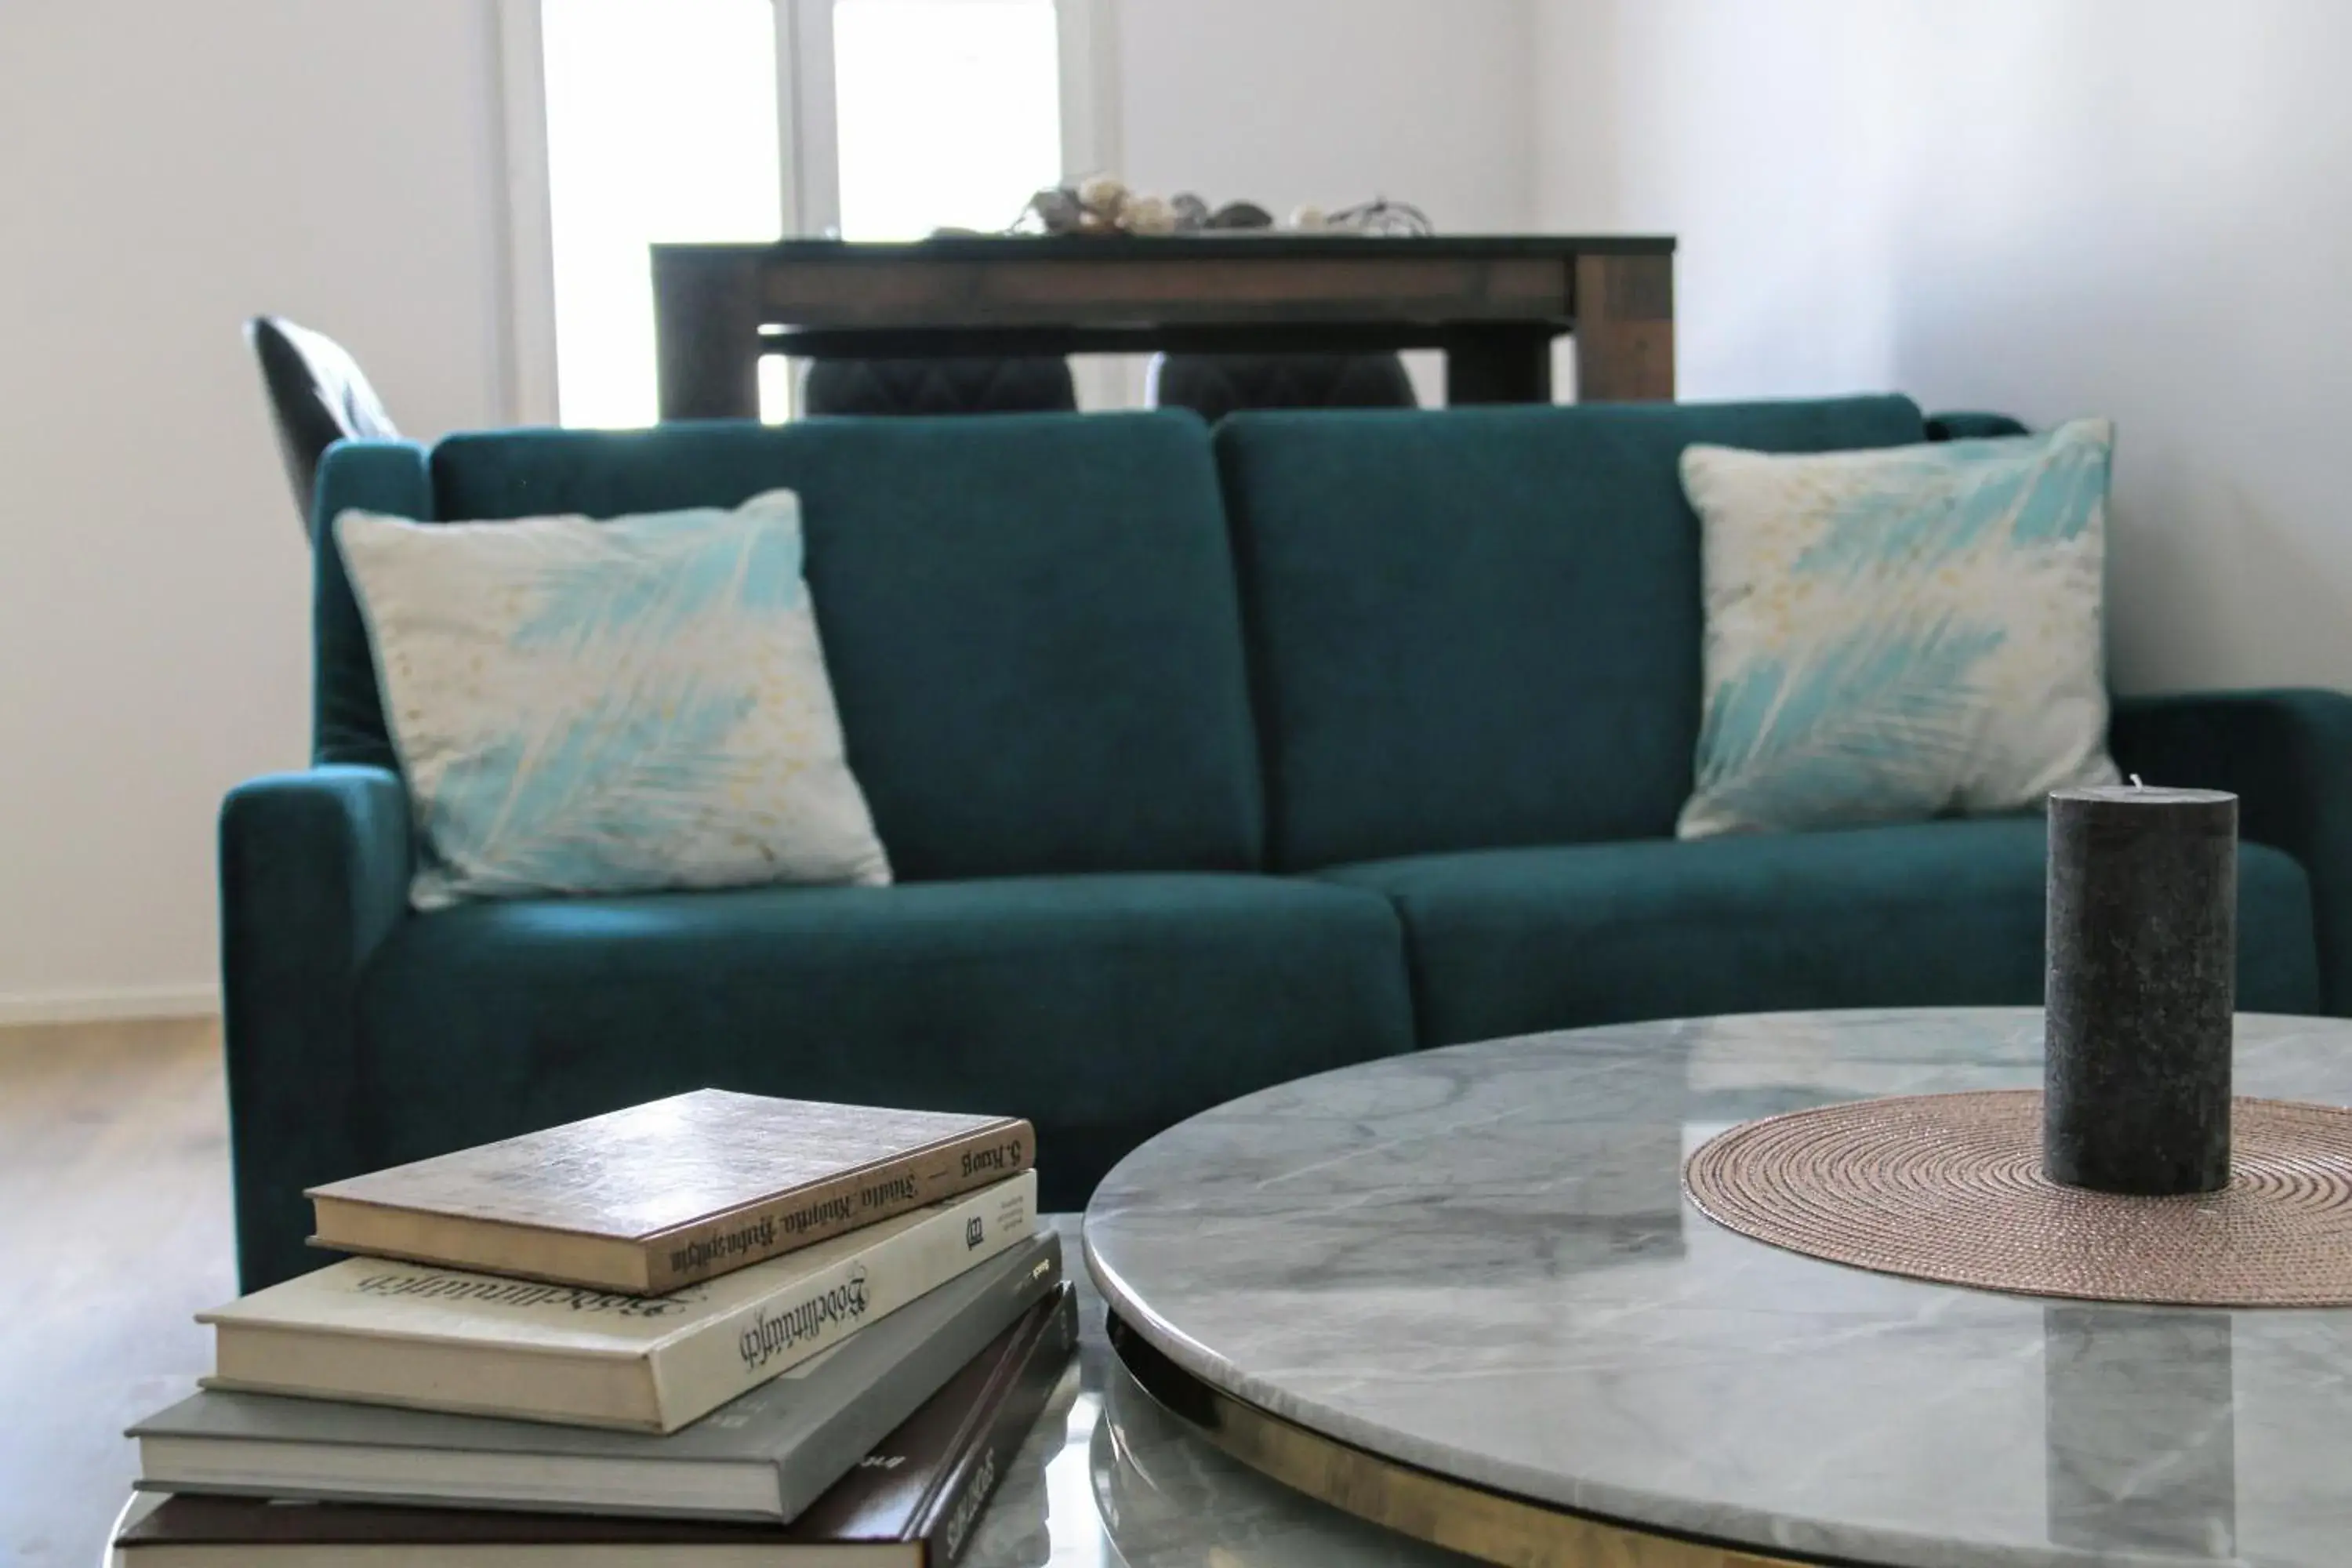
586 707
1900 634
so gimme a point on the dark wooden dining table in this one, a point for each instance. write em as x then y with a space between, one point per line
1492 303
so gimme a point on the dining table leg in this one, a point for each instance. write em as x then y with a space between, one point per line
707 336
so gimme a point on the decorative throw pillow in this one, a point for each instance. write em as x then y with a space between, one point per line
1900 634
587 707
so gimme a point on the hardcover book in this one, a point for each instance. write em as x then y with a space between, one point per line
911 1503
763 1457
388 1332
669 1193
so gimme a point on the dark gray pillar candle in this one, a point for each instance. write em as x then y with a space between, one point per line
2141 986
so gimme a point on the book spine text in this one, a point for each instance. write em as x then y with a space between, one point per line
732 1354
820 1212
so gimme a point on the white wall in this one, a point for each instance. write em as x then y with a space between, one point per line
166 171
2138 207
1333 102
1750 131
2048 206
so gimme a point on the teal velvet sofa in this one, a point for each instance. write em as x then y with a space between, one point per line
1205 761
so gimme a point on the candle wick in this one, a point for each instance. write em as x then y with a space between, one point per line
2136 784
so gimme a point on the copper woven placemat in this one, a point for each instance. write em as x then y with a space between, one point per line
1949 1187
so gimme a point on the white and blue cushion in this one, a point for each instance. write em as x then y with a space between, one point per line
599 707
1900 634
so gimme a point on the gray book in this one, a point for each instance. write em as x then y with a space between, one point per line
765 1455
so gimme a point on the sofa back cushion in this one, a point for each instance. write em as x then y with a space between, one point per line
1481 627
1030 621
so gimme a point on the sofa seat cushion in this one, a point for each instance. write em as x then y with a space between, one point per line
1104 1008
1943 913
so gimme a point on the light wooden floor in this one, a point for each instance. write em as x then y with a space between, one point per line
114 1229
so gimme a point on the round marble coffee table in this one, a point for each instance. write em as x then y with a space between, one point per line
1461 1292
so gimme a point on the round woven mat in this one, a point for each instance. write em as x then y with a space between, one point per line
1949 1187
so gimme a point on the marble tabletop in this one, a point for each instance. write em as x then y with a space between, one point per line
1479 1260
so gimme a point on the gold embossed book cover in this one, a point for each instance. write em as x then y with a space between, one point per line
669 1193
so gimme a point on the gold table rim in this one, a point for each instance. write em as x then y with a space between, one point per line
1478 1522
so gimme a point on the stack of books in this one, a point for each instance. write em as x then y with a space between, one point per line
715 1330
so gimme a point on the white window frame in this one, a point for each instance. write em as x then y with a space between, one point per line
810 160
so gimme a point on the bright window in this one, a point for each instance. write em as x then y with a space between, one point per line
661 125
947 113
665 121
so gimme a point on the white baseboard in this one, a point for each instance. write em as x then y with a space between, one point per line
117 1002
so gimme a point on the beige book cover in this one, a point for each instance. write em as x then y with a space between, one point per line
659 1196
391 1332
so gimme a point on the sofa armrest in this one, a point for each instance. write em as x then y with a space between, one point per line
2288 755
1968 427
314 871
